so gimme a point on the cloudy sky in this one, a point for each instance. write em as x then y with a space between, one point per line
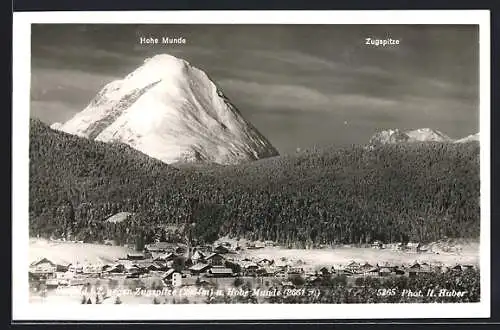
300 85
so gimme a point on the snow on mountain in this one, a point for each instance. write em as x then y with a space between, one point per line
172 111
470 138
418 135
427 134
56 126
389 136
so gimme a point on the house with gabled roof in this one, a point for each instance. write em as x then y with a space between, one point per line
365 267
265 262
116 268
167 277
43 267
352 267
374 271
163 247
215 259
324 271
413 247
221 249
417 268
282 264
199 268
384 271
250 268
314 280
198 256
163 256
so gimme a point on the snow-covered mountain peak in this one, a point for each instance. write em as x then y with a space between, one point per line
427 134
159 67
391 136
172 111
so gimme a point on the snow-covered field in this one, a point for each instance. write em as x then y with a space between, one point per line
72 252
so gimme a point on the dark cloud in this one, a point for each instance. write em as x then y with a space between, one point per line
300 85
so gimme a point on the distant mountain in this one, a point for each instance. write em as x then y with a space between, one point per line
172 111
427 135
470 138
392 136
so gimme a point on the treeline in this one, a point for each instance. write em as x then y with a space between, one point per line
418 192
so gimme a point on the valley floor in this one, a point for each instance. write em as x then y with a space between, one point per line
69 252
465 253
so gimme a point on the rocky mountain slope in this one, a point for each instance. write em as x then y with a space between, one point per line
172 111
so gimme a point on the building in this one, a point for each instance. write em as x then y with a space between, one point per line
220 272
393 246
352 267
76 268
384 271
154 266
282 265
281 274
162 247
314 280
413 247
265 262
197 257
177 280
365 267
162 256
159 247
250 268
90 268
253 246
417 269
310 271
167 278
199 268
324 271
215 259
374 271
43 268
265 271
136 256
114 269
221 249
295 270
62 266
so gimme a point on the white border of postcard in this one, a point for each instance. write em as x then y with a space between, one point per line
22 310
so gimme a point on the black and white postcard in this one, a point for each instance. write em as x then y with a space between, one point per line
251 165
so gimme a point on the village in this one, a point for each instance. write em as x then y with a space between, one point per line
223 265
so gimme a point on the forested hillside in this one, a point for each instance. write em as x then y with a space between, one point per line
396 192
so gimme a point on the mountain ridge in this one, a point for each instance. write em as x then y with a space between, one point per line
392 136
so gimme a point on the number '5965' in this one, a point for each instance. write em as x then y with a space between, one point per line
386 292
